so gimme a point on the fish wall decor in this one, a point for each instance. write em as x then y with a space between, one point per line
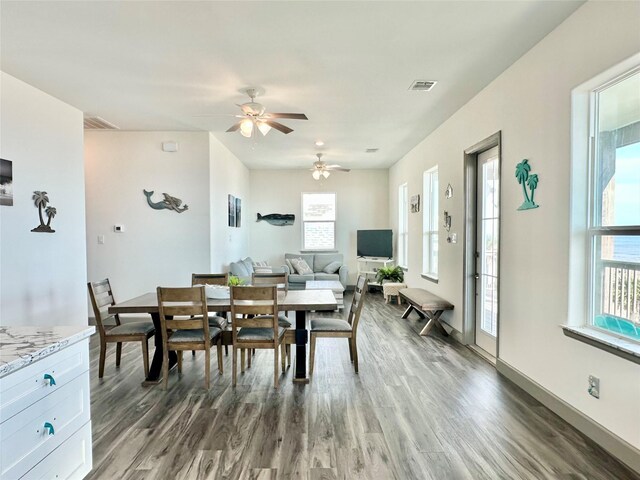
169 202
278 219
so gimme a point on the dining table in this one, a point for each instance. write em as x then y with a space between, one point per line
299 301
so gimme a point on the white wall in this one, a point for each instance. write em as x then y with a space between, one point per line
229 176
531 104
43 275
362 203
158 247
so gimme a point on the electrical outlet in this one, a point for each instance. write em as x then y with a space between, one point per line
594 386
100 239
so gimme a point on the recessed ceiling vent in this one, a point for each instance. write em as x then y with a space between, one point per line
371 150
97 123
422 85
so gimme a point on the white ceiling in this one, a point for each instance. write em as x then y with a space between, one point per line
347 65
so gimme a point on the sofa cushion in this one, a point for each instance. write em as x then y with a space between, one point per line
333 267
321 260
307 257
248 263
327 276
239 269
301 278
301 266
288 262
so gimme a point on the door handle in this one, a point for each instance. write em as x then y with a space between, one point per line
477 276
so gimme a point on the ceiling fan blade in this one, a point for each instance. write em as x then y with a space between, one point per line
278 126
293 116
337 168
217 115
234 127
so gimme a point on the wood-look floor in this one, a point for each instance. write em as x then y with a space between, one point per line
420 408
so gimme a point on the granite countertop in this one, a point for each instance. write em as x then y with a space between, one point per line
21 346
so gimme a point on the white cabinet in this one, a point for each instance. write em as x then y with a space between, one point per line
369 266
45 418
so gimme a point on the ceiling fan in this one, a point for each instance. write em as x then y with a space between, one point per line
321 169
254 116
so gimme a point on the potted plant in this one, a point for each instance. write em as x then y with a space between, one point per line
235 281
390 274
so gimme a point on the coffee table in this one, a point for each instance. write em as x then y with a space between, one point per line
334 285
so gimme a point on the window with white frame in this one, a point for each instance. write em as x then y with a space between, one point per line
403 226
614 213
319 221
430 223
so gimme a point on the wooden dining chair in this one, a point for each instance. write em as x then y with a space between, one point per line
338 328
215 319
281 280
189 332
101 299
254 319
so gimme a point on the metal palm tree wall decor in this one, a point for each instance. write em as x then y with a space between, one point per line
41 201
527 180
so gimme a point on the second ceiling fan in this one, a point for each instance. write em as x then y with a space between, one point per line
321 169
254 116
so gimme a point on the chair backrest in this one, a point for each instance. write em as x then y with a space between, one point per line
280 280
189 303
246 302
101 299
357 302
210 279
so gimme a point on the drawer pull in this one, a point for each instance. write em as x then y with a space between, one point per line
49 377
49 427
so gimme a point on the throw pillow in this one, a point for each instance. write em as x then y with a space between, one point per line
260 264
291 269
301 266
262 269
333 267
248 263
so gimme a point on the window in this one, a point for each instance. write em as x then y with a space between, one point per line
614 216
403 225
430 224
318 221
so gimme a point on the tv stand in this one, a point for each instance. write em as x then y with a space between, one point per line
369 266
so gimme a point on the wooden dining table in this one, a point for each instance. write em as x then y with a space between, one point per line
300 301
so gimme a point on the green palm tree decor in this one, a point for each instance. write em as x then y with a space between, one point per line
526 180
41 201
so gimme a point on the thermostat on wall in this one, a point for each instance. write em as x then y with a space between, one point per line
169 146
118 228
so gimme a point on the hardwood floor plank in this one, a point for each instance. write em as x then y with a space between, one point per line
420 408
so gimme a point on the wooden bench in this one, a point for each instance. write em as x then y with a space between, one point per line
425 304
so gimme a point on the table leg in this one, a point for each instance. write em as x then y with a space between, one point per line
155 370
300 375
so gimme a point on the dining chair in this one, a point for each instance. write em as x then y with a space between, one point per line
338 328
101 299
254 320
281 280
191 331
215 319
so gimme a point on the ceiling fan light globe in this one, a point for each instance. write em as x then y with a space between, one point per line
246 127
264 128
316 174
325 174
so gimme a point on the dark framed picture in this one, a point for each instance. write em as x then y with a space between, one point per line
415 203
238 212
232 211
6 182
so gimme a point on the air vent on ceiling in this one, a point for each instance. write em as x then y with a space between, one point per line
97 123
371 150
422 85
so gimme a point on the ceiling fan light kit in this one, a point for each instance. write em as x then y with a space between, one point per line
322 170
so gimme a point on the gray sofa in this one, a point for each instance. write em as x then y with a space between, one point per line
317 262
243 269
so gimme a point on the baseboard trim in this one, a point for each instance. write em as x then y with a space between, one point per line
609 441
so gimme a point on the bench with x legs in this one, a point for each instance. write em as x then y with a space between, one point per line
425 304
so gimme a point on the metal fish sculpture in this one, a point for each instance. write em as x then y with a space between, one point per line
278 219
169 202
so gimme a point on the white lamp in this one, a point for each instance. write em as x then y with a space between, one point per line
264 128
246 127
316 174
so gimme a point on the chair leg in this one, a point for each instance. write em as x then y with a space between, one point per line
243 355
179 352
118 353
103 355
207 367
275 368
165 368
226 350
312 353
234 352
288 354
145 356
283 356
354 347
350 350
220 363
249 355
193 353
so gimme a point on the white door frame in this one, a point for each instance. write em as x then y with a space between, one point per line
469 260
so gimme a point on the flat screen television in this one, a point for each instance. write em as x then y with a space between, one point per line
375 243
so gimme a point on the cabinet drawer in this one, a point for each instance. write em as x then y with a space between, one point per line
28 385
24 438
71 460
